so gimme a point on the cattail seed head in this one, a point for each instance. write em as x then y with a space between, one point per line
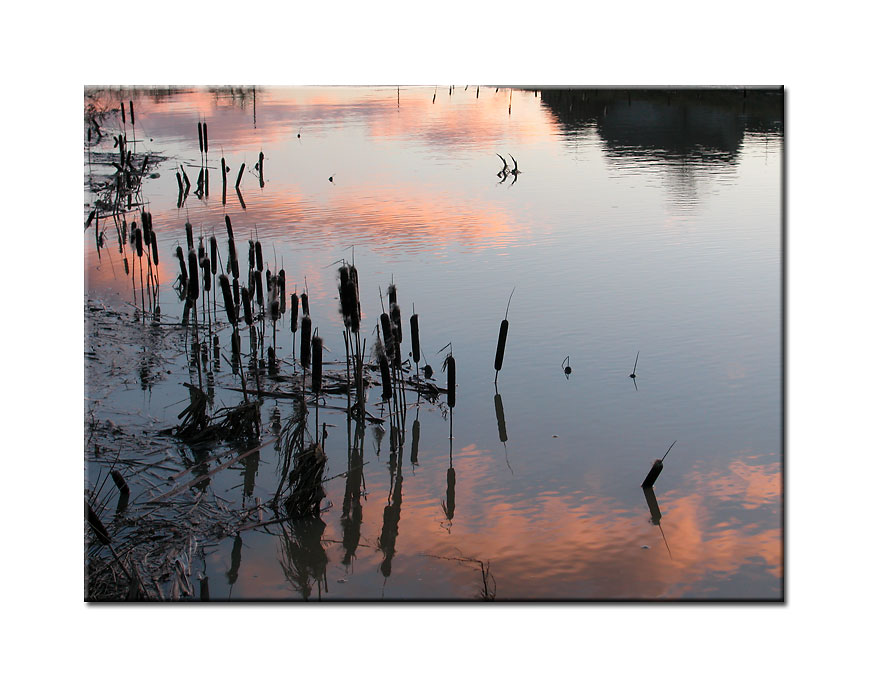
194 283
415 339
452 380
200 134
305 310
387 333
500 347
250 254
189 232
207 275
213 246
274 310
427 371
206 137
179 253
246 303
281 290
228 299
137 239
201 252
294 312
305 348
381 355
258 252
236 293
391 294
317 372
258 283
154 254
396 321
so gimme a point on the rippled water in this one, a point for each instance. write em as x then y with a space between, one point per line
640 221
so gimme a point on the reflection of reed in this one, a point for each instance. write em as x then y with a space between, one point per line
655 515
303 558
390 527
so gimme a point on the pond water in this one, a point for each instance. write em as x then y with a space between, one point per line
641 223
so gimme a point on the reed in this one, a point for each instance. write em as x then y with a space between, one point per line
228 299
246 303
503 338
305 348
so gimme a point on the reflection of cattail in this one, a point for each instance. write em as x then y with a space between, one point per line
294 312
258 252
415 441
228 299
154 248
415 339
132 116
317 354
500 418
184 270
201 252
452 380
146 228
194 284
246 302
137 239
386 389
189 231
305 349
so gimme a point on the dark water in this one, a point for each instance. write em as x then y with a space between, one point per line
640 221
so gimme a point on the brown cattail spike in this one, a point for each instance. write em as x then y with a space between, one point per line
452 380
193 283
415 339
246 303
213 249
386 389
294 312
258 252
189 232
305 343
179 253
228 299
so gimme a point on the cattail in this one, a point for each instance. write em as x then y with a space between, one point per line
213 245
427 371
123 118
305 341
236 292
154 248
269 283
655 469
180 184
387 332
239 178
294 311
274 310
386 389
224 174
348 299
391 294
246 302
146 229
415 339
132 116
98 527
207 275
194 284
396 320
228 299
281 291
189 232
304 300
187 182
179 253
503 337
200 134
229 228
126 266
206 137
201 252
137 239
317 354
250 254
452 380
258 251
258 282
120 482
